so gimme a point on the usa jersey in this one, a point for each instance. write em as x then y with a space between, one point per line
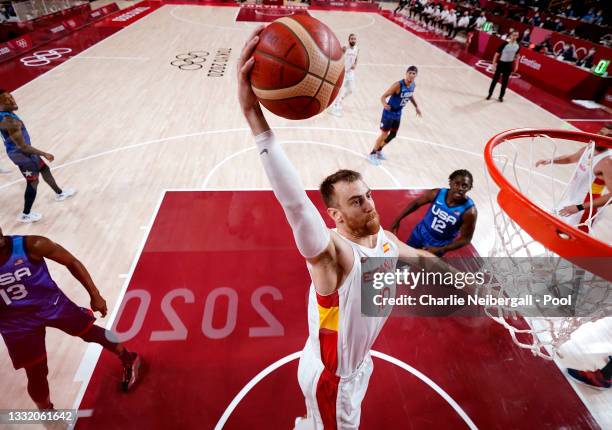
397 101
25 288
11 147
443 222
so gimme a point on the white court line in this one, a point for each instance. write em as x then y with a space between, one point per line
100 42
245 25
91 357
209 132
371 15
82 57
420 66
272 367
308 142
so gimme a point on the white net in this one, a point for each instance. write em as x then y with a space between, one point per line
521 266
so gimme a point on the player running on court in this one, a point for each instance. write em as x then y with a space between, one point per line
335 365
451 214
30 301
393 101
26 157
350 63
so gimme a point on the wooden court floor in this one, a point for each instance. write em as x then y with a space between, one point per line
124 125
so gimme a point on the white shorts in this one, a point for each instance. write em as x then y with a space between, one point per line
331 399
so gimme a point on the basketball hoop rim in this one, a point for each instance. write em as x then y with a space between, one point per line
539 224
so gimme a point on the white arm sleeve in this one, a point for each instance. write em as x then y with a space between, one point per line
310 232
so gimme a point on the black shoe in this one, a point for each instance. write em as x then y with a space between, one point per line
130 372
488 97
501 99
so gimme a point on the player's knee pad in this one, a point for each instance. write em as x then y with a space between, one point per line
391 136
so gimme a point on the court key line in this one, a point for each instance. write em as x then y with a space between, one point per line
231 130
309 142
272 367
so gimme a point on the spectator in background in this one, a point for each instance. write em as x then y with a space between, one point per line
559 25
3 14
568 12
569 53
402 4
588 60
450 23
599 19
589 16
535 20
544 47
443 16
480 21
548 24
526 39
462 24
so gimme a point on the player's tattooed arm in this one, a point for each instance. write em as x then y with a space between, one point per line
393 89
427 197
13 126
39 248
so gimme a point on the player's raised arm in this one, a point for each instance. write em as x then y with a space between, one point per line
39 247
562 159
309 230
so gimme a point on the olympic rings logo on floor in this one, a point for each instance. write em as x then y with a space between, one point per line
488 67
193 60
42 58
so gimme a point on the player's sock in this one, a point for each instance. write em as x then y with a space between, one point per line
30 196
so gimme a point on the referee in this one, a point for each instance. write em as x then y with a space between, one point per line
505 62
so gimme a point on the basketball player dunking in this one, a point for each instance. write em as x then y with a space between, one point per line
30 301
335 365
585 191
350 63
393 101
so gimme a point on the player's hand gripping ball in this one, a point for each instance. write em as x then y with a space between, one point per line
299 67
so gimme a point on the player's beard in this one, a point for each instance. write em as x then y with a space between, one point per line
366 226
352 44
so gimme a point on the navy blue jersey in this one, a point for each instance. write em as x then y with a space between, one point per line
443 222
397 101
11 147
26 289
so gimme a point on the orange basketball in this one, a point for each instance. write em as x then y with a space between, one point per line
299 67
